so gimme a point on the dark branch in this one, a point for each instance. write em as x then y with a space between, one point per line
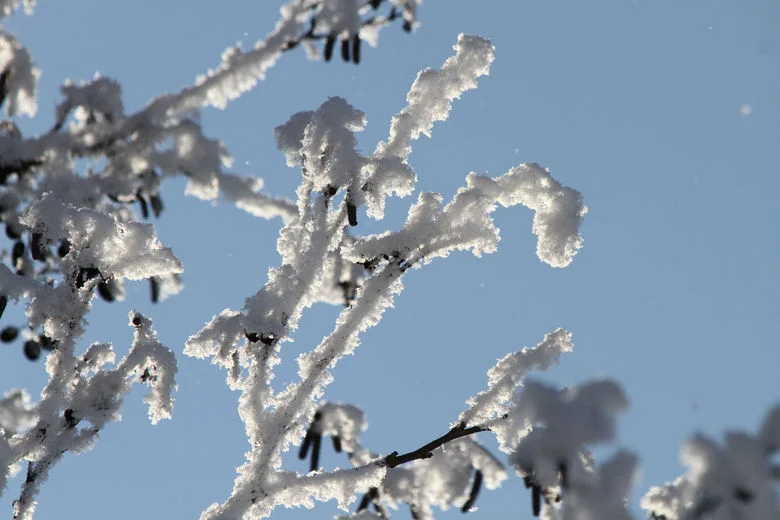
426 452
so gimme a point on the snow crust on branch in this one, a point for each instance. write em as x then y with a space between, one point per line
737 479
508 374
128 250
317 250
18 74
81 396
429 100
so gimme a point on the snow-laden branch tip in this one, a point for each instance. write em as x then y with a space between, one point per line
466 223
429 100
736 479
510 372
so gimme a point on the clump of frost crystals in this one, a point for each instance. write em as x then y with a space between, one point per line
128 250
83 394
736 480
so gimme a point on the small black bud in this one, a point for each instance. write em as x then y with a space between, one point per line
64 248
13 230
356 49
85 274
37 249
157 204
105 290
8 334
536 500
136 320
17 252
407 27
154 283
345 50
32 350
743 495
142 202
352 213
47 342
70 418
329 43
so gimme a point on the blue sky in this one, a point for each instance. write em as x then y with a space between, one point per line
641 106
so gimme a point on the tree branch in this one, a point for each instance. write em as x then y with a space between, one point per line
426 452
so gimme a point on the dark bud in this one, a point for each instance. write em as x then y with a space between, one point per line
32 350
351 213
743 495
3 304
154 283
8 334
330 190
64 249
85 274
370 265
305 445
345 50
136 320
356 48
536 500
475 487
70 418
157 204
37 249
267 339
563 472
336 443
142 202
47 342
106 290
407 26
375 4
17 252
13 230
349 290
253 337
315 452
4 84
147 376
329 43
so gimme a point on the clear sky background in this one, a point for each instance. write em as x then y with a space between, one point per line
664 114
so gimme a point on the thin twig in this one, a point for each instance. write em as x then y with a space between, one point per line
426 452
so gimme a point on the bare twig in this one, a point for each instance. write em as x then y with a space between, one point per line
426 452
